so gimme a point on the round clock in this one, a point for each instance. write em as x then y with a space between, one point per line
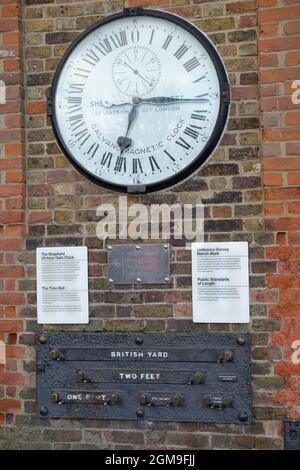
140 100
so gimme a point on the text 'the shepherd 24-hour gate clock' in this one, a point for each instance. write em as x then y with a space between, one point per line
140 100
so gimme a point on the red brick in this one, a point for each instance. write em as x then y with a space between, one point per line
272 179
268 60
283 223
37 217
287 368
11 11
10 405
13 150
268 30
294 208
9 25
290 296
292 27
11 378
294 177
11 245
281 164
36 107
279 74
287 397
292 148
9 326
11 271
292 118
283 281
14 176
294 238
273 209
292 58
15 231
282 194
279 44
283 253
279 14
285 310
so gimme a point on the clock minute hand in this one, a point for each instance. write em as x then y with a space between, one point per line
171 100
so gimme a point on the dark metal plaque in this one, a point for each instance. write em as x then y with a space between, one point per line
139 264
291 435
156 377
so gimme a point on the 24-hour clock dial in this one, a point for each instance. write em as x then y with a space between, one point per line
140 100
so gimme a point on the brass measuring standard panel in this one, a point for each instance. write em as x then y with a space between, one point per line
155 376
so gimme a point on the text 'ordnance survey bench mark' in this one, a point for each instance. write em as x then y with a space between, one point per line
220 280
62 285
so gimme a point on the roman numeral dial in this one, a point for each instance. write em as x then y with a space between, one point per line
140 101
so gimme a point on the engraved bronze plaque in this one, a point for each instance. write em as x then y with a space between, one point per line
139 264
156 377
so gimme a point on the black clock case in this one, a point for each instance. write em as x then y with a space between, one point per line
216 135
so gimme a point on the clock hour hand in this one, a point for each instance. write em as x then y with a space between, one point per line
125 142
108 104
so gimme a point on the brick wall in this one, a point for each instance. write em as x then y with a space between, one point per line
12 207
279 48
61 210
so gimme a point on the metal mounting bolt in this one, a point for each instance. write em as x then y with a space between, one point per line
243 416
144 399
227 400
137 247
140 413
166 246
55 397
109 247
138 279
42 339
177 400
115 398
110 280
138 340
55 354
241 341
44 411
167 279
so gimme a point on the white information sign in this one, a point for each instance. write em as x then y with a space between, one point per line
220 280
62 285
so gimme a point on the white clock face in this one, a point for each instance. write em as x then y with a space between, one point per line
136 101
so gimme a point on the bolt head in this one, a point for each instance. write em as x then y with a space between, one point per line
138 340
167 279
138 247
115 398
138 279
44 411
42 339
243 416
241 341
110 280
166 246
109 247
140 413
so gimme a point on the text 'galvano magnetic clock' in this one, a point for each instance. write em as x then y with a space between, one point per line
140 100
